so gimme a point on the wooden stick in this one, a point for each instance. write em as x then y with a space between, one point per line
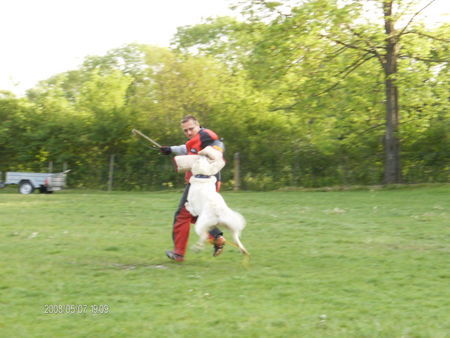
135 131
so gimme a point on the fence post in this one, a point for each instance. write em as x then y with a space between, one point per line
111 172
64 168
295 177
50 166
237 174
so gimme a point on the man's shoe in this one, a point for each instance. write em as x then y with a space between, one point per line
174 256
218 242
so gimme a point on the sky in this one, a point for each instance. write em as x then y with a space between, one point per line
41 38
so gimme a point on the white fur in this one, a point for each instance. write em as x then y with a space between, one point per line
211 209
209 164
184 163
205 166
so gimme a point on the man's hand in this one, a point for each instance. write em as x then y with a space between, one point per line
165 150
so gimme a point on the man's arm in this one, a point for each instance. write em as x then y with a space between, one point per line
218 144
177 150
209 138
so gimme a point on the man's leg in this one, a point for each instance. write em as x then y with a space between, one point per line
181 227
216 238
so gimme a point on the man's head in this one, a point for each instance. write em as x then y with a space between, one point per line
190 126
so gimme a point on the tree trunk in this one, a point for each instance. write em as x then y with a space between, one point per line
237 172
392 172
111 172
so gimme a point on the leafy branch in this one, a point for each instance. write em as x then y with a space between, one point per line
343 75
413 17
427 36
424 59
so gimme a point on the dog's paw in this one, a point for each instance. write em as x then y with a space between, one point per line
197 247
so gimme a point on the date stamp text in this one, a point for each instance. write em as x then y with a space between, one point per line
56 309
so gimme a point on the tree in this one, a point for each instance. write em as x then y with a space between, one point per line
15 116
388 55
340 23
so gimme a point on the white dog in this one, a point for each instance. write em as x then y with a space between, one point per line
206 203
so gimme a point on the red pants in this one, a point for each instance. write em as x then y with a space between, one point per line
182 225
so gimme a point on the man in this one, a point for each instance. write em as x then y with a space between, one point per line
199 138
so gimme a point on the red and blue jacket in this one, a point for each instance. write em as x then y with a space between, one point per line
203 139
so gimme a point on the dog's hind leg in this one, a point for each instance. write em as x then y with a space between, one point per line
200 244
239 243
201 228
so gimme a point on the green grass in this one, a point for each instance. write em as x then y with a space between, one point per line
324 264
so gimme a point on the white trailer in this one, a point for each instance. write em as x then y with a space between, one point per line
28 182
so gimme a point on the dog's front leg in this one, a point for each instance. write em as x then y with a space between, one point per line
201 228
201 242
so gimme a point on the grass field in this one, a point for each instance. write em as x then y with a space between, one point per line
368 263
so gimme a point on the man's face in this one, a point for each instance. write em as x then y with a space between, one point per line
190 128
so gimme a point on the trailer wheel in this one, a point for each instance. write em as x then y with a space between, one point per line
25 187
